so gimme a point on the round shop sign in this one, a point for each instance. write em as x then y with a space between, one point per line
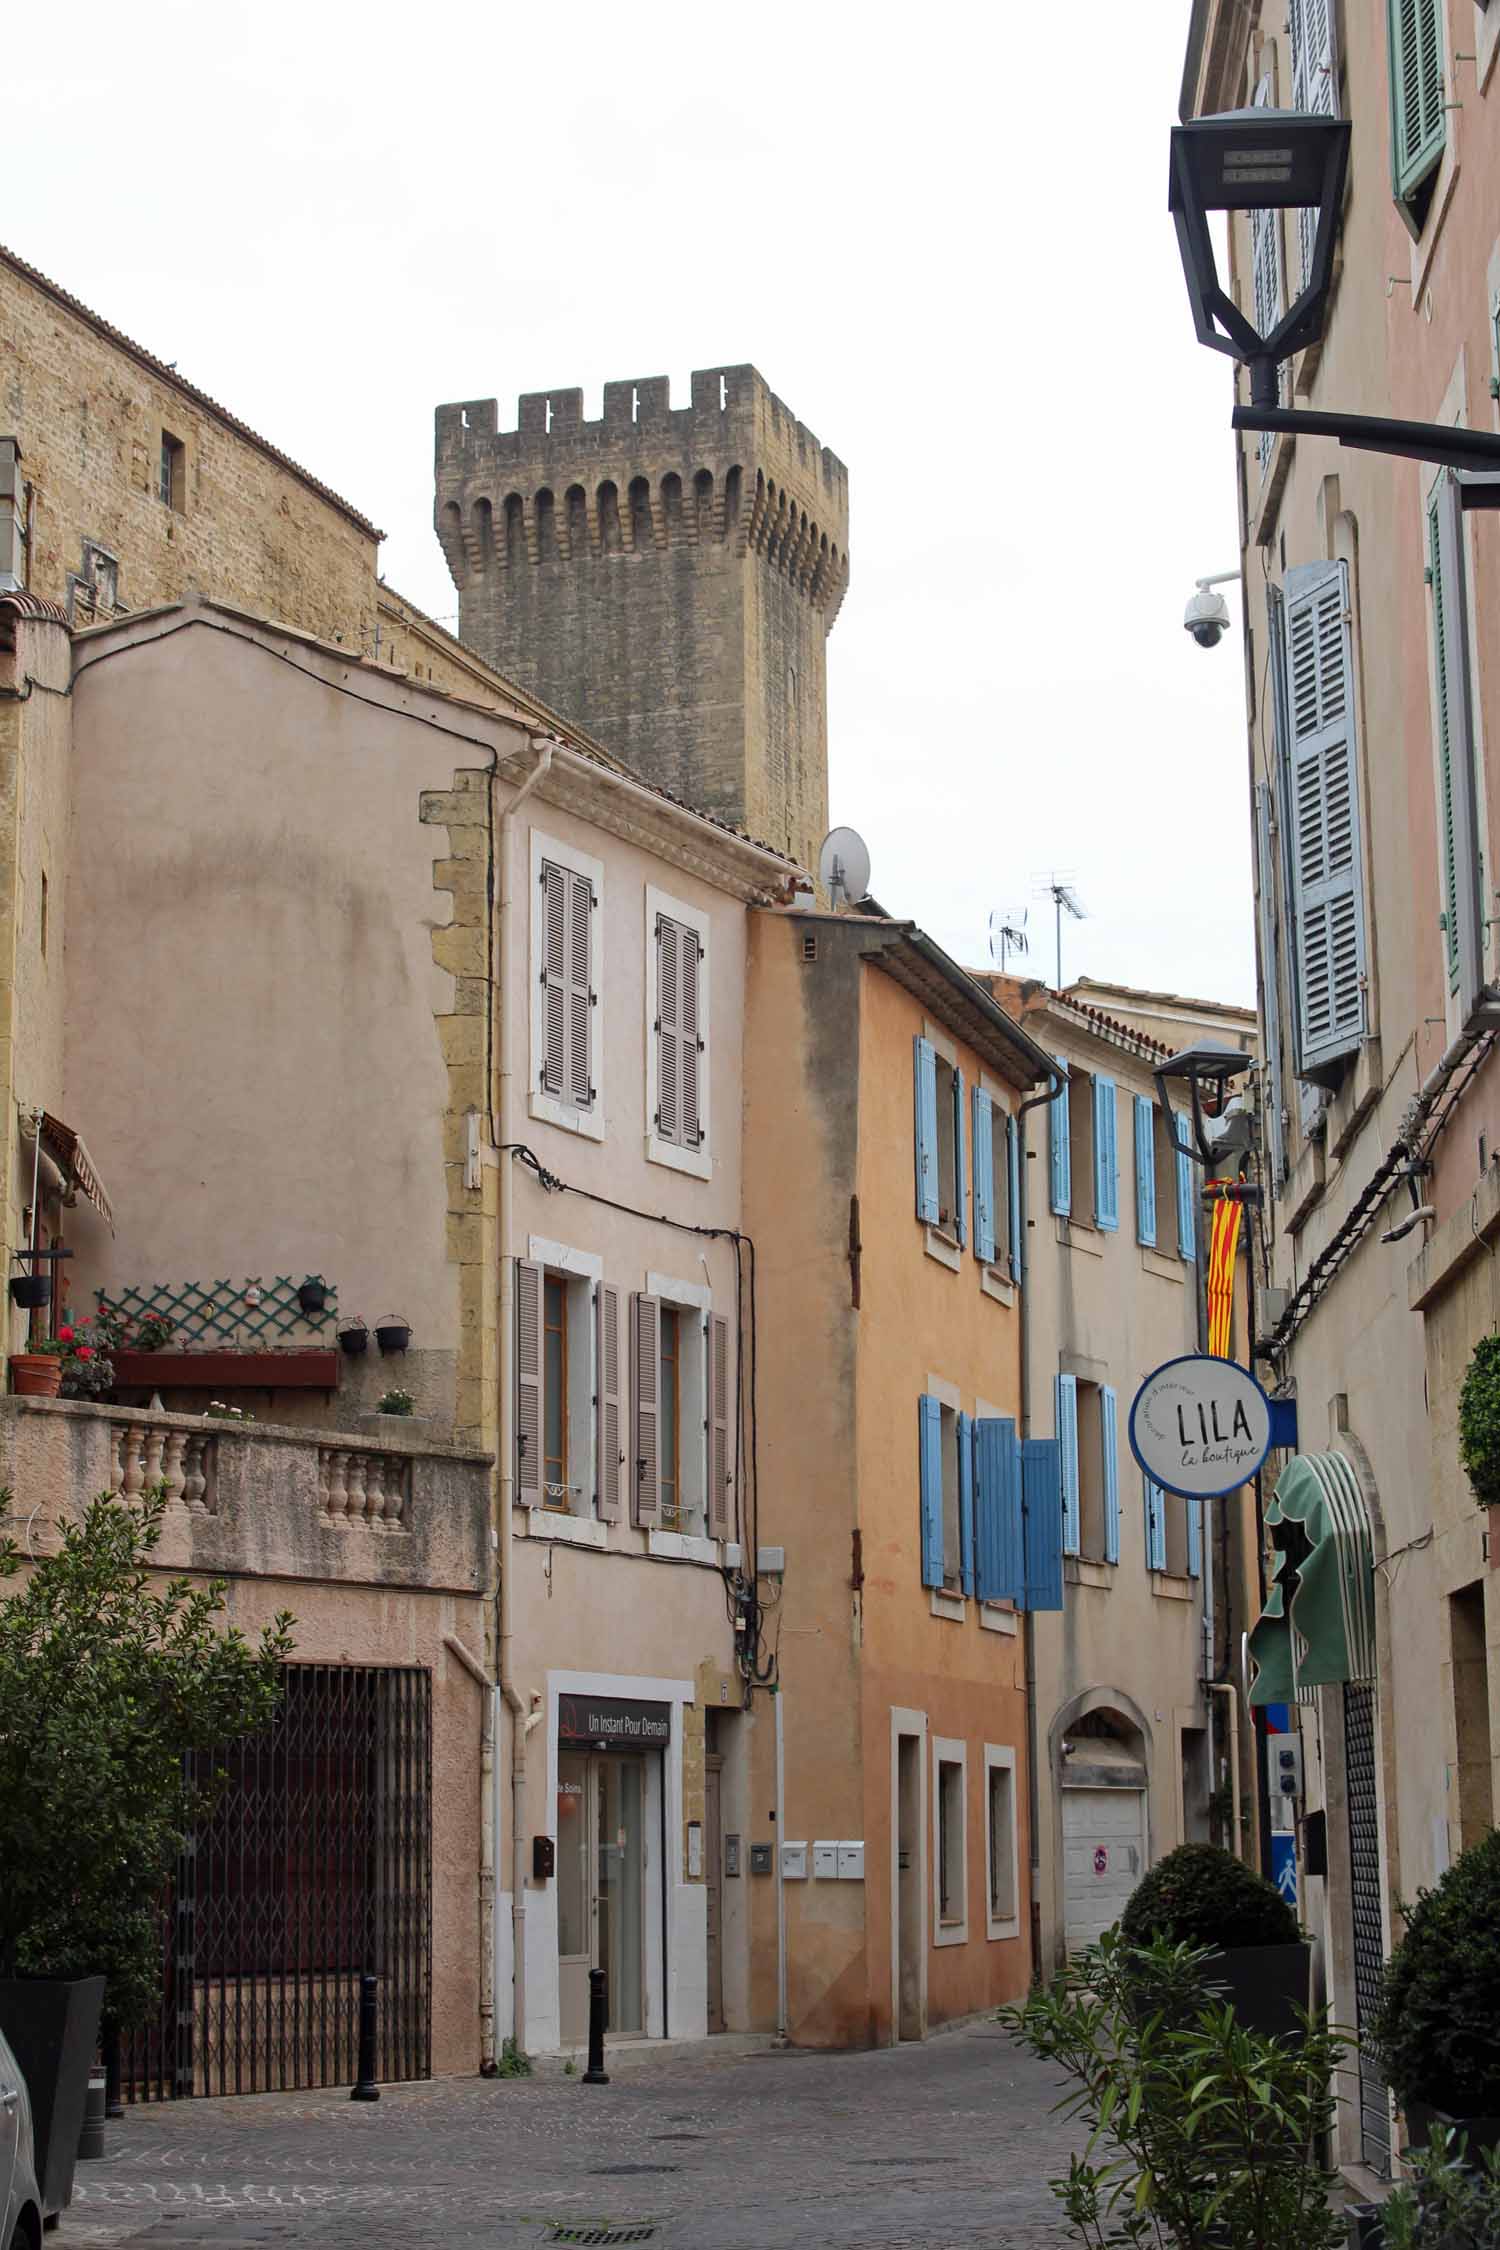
1200 1427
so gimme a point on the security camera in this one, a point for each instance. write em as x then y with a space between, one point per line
1207 617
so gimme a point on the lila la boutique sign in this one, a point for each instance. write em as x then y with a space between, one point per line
1200 1426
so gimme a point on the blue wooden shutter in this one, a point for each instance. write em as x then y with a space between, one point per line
1267 921
1106 1155
1419 122
925 1075
1000 1542
1109 1423
1187 1192
1013 1185
984 1177
1195 1538
1041 1491
1145 1170
1156 1526
965 1504
1065 1422
960 1160
1328 903
930 1458
1062 1162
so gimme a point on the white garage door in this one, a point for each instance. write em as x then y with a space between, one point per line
1104 1857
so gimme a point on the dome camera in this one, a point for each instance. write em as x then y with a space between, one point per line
1207 618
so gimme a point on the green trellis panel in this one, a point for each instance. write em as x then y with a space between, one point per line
216 1312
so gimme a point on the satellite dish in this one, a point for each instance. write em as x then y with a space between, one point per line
844 866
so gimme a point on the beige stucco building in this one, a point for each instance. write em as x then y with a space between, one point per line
1372 697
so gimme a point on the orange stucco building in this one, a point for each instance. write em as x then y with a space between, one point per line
884 1337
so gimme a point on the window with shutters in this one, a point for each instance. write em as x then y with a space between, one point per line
1419 119
677 1035
996 1190
1002 1865
950 1818
566 1050
560 1451
1311 28
1082 1107
1322 783
1098 1473
1460 870
943 1132
683 1404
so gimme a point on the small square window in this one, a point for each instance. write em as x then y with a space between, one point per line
950 1825
171 483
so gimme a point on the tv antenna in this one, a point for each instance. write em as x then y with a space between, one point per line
1065 900
844 867
1008 935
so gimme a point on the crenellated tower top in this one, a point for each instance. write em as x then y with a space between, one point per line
665 575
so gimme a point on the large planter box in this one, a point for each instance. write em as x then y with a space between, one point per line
1265 1984
1482 2132
53 2028
310 1370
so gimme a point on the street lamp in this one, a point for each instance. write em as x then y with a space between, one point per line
1272 160
1204 1065
1257 160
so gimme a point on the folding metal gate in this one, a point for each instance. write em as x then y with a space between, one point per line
1369 1945
314 1865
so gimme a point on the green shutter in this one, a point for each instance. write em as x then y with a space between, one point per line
1419 122
1447 844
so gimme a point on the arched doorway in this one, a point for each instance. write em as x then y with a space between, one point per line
1101 1786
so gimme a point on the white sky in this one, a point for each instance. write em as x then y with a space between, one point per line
940 234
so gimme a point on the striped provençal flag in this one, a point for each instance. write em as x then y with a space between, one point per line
1223 1247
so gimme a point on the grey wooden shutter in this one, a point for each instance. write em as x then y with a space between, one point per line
1145 1170
1419 122
718 1427
580 992
1324 784
608 1446
1109 1426
1065 1420
924 1068
1270 982
690 961
1459 828
984 1177
668 1033
645 1419
555 979
529 1402
1314 88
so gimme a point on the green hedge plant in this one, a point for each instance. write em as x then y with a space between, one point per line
1438 2029
1200 1895
1479 1422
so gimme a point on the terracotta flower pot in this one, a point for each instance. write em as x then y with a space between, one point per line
35 1374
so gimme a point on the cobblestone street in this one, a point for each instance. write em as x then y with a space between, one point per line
919 2148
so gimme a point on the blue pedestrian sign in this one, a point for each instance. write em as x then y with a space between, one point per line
1284 1864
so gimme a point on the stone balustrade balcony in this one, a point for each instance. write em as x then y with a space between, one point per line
252 1499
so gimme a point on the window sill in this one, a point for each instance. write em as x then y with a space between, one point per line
696 1162
943 1248
1077 1234
1004 1926
587 1123
951 1933
1164 1267
953 1607
570 1531
994 1619
1168 1587
682 1546
998 1285
1079 1570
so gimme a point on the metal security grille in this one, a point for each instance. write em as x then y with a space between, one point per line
313 1866
1369 1951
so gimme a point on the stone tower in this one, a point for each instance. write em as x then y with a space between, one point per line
666 577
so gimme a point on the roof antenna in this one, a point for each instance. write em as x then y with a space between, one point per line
1063 897
1008 935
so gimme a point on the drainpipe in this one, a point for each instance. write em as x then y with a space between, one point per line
1028 1623
781 2008
522 1720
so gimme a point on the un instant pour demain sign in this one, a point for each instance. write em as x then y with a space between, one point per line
1200 1427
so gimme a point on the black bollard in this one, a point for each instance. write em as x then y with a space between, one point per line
366 2089
596 2074
109 2041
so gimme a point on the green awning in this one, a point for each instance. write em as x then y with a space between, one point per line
1318 1625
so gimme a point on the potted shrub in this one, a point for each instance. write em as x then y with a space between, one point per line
396 1402
37 1373
1479 1430
1436 2030
107 1682
1202 1896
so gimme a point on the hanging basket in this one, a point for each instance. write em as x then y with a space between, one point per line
392 1333
312 1296
353 1336
31 1289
